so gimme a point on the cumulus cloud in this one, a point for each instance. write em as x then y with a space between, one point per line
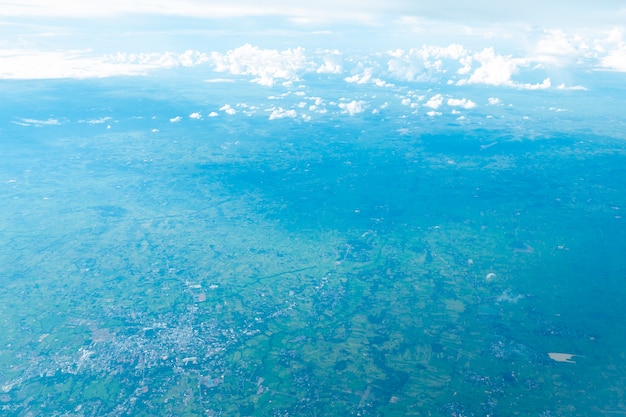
195 115
455 64
494 101
461 102
267 65
381 83
280 113
176 119
434 102
498 70
599 50
366 77
317 100
362 78
353 107
329 67
615 59
424 63
557 48
226 108
494 69
213 114
611 50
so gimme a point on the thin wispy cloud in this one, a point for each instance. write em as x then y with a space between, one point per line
557 11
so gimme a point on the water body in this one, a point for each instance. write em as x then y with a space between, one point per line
346 265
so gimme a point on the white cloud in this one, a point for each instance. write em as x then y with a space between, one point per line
545 84
615 59
318 100
433 113
366 77
196 116
266 65
461 102
423 63
611 50
466 61
353 107
381 83
432 63
219 80
38 123
563 33
329 67
360 78
158 60
176 119
281 113
494 101
599 50
434 102
494 69
453 64
29 64
554 42
573 87
37 64
101 120
226 108
497 70
213 114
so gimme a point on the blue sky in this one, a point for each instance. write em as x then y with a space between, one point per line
488 42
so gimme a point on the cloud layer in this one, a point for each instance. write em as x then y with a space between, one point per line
456 64
483 43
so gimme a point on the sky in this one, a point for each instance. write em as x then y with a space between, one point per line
481 42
